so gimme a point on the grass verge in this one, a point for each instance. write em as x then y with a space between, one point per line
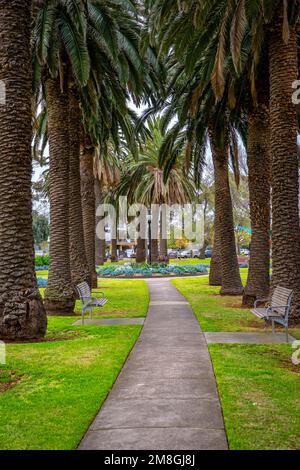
54 389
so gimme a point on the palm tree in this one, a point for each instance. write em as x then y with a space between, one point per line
144 181
259 181
61 67
59 295
202 120
78 259
94 51
285 165
88 203
22 314
274 25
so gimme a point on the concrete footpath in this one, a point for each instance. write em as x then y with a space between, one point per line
165 397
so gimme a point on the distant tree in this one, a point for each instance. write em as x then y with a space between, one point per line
41 228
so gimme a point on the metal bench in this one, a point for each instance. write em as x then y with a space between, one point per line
87 301
278 309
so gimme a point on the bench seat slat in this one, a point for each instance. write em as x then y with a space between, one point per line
87 301
262 313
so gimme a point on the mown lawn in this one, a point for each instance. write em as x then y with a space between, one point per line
50 391
126 298
220 313
258 384
259 390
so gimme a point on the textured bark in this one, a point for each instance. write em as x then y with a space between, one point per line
285 164
22 314
215 272
154 251
141 250
114 251
100 245
231 279
78 261
59 295
163 245
88 206
258 152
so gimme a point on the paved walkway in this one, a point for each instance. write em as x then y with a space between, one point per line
165 398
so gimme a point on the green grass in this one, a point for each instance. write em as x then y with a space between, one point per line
51 391
259 390
60 385
126 298
258 384
220 313
216 313
190 261
43 274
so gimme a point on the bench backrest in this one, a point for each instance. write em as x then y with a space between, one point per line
282 297
84 291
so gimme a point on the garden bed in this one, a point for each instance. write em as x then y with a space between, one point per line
133 270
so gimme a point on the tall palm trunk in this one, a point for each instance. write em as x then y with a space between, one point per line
114 250
141 250
59 295
22 314
231 279
215 272
285 164
88 205
79 267
258 152
99 244
154 250
163 244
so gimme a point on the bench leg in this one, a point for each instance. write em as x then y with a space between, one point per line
273 327
91 314
82 318
287 334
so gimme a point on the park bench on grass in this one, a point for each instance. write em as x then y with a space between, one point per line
277 310
87 301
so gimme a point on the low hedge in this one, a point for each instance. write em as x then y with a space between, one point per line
42 261
147 270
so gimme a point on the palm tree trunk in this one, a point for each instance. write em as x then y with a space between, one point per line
88 205
141 251
22 314
258 152
114 250
59 295
154 250
231 279
78 261
215 272
163 244
99 244
285 164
